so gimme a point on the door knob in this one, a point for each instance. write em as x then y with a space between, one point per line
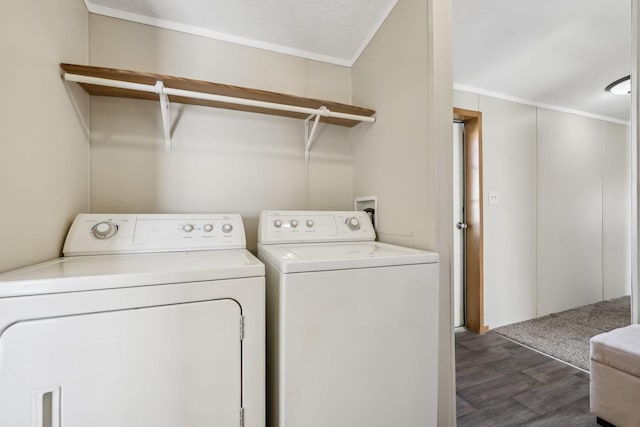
461 226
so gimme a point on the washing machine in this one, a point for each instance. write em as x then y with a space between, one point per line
352 324
148 320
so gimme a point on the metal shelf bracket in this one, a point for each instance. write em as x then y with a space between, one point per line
309 136
165 110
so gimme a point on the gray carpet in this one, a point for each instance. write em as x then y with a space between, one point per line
566 335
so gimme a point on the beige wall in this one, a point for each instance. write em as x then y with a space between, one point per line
222 160
225 160
44 163
403 74
440 102
391 158
559 237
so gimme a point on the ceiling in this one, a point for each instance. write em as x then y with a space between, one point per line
334 31
561 53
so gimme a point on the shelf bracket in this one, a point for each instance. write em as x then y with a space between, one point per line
165 110
309 136
247 102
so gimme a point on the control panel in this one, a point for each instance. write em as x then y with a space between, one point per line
93 234
314 226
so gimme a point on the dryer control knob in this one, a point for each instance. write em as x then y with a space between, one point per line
277 223
353 223
208 228
294 223
187 228
227 228
104 230
309 223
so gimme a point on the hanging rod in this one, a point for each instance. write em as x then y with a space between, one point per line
211 97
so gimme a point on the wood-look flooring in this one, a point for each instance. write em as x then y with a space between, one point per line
500 383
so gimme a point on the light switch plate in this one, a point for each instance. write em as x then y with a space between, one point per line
494 197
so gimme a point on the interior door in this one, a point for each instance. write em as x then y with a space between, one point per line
166 366
459 225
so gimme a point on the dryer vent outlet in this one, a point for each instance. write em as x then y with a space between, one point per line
369 204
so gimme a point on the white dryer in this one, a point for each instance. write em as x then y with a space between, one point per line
149 320
352 336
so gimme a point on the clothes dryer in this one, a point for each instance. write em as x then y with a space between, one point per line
352 336
148 320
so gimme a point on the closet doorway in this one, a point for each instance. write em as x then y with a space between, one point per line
467 227
459 226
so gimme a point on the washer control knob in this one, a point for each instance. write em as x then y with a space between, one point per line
353 223
208 228
188 228
309 223
277 223
227 228
294 223
104 230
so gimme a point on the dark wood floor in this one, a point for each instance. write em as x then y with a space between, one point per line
501 383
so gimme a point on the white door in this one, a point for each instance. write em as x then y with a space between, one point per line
459 218
166 366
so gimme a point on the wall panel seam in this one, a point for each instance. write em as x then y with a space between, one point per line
602 201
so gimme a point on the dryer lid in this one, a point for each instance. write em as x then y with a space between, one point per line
298 258
82 273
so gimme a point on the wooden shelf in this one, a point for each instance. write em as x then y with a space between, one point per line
210 88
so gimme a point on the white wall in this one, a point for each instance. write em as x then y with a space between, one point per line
592 159
616 245
222 160
569 211
44 161
509 168
466 100
558 238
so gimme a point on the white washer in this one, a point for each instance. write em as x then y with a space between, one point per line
149 320
352 337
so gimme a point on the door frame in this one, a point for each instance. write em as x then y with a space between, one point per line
474 238
635 160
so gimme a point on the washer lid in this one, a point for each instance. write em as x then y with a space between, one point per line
298 258
81 273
